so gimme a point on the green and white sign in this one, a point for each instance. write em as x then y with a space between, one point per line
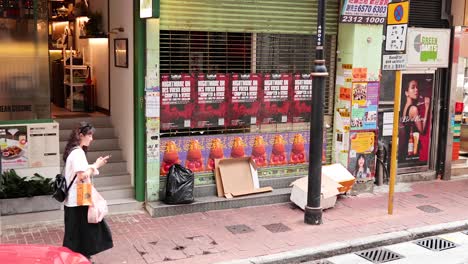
428 47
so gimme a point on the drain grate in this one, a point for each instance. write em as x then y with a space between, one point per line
435 243
429 209
239 229
379 255
420 196
277 228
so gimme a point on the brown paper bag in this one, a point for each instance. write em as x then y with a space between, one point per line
84 194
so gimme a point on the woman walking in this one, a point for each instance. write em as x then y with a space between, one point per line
81 236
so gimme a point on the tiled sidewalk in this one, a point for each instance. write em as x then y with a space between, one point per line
247 232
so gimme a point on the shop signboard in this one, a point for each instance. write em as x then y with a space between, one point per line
266 149
364 11
211 100
364 105
428 47
14 147
302 98
361 154
177 101
244 98
275 96
415 119
394 62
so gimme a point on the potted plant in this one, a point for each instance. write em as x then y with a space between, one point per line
26 194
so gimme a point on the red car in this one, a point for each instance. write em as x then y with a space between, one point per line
44 254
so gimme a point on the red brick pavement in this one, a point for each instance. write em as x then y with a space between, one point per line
203 237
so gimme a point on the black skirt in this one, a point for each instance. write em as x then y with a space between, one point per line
82 237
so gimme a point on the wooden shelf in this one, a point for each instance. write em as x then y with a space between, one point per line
76 67
74 84
95 36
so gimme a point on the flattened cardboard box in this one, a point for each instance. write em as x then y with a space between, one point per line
238 177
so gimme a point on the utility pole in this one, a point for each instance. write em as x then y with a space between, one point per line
313 210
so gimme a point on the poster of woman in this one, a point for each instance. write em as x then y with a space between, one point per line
415 119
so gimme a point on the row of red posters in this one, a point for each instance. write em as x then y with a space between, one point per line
230 100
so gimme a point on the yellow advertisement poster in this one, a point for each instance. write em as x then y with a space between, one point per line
362 142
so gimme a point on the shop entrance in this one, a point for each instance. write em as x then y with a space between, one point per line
460 121
79 58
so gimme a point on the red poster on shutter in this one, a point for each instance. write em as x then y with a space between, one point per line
211 100
302 98
275 98
177 101
244 99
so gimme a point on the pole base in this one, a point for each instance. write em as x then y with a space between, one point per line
313 215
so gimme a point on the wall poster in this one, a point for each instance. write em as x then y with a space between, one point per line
211 100
177 101
302 98
415 119
267 149
245 104
276 98
364 101
14 147
361 154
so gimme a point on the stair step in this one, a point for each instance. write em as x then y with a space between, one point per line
71 123
101 133
116 155
116 206
459 170
208 203
98 144
116 191
112 180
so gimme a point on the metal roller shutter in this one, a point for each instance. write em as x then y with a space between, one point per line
426 13
254 16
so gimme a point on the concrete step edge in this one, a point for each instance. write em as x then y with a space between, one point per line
203 204
57 215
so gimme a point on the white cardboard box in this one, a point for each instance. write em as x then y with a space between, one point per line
329 191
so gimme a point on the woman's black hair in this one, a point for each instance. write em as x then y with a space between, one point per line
74 139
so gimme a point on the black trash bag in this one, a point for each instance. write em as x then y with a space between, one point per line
179 185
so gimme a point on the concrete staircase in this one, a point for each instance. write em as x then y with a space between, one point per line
460 167
206 199
114 181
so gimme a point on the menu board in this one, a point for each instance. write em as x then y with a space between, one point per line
177 101
14 147
275 98
211 100
302 98
45 149
244 95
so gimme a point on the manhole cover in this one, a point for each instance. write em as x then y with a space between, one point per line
429 209
277 228
379 255
420 196
239 229
435 243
